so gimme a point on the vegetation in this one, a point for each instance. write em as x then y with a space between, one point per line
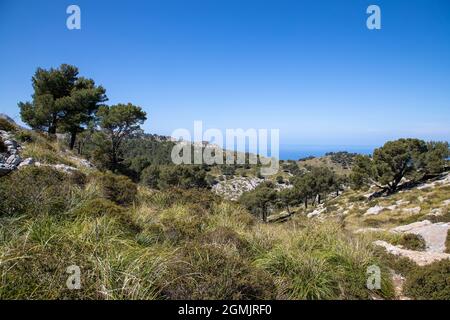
140 227
116 123
5 125
118 189
403 158
430 282
412 242
62 101
258 200
343 158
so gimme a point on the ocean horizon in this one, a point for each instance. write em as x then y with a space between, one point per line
292 152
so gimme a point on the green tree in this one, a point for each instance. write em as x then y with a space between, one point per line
404 158
116 122
259 199
288 198
80 107
62 101
182 176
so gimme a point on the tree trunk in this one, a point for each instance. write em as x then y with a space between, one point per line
306 202
52 127
73 138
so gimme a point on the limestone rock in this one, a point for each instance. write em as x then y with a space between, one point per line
26 162
374 210
419 257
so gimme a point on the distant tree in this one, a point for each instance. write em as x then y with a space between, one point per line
316 184
182 176
259 199
62 101
116 123
395 160
288 198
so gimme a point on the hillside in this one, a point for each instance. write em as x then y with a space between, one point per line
134 242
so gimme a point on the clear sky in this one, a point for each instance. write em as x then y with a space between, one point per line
310 68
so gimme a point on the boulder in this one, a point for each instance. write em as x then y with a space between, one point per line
26 162
5 169
13 160
374 210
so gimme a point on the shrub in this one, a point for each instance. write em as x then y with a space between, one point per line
24 136
150 176
118 189
33 190
225 236
44 153
412 241
78 178
212 272
402 265
182 176
2 146
280 179
430 282
99 207
5 125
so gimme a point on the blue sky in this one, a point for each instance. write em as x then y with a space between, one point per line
310 68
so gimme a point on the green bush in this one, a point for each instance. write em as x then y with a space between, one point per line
99 207
150 176
413 241
118 189
5 125
33 190
430 282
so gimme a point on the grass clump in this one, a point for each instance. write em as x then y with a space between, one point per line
430 282
322 262
99 207
5 125
44 153
212 272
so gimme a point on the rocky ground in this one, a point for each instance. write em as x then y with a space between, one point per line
12 159
233 188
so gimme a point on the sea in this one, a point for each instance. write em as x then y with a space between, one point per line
296 152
